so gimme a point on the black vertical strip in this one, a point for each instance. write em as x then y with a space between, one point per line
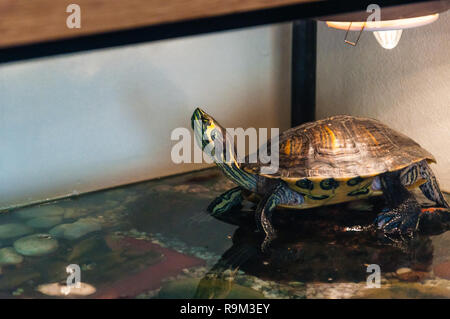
303 85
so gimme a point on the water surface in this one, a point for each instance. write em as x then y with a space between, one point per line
155 240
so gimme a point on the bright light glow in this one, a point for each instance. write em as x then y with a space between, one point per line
387 25
388 39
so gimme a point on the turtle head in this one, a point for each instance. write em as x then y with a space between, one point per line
214 141
209 134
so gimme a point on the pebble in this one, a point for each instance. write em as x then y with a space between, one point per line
57 290
74 212
407 274
8 256
76 230
13 230
59 230
17 292
40 211
36 245
403 271
44 222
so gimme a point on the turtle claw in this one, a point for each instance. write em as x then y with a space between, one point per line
429 220
395 223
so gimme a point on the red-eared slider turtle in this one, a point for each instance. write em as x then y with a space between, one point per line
337 159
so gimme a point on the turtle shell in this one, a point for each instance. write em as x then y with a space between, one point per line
341 147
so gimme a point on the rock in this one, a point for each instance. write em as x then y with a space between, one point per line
57 290
186 288
40 211
403 271
59 230
17 278
74 213
86 249
14 230
442 270
76 230
407 274
80 228
17 292
8 256
44 222
36 245
404 290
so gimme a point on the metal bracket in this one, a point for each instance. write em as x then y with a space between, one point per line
359 35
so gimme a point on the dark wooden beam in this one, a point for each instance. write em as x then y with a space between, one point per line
29 30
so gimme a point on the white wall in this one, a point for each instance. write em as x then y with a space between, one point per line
82 122
408 87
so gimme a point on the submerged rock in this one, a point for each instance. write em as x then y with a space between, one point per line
59 230
16 278
74 212
186 288
406 291
36 245
40 211
44 222
56 289
76 230
88 249
407 274
442 270
8 256
13 230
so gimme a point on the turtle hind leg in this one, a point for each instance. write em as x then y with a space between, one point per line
279 194
431 188
224 204
403 215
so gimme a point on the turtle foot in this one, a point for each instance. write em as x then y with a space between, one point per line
431 220
398 223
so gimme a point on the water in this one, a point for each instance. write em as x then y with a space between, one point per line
155 240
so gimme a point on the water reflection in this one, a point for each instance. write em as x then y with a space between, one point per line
334 244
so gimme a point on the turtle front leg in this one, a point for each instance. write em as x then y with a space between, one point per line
222 205
403 213
279 194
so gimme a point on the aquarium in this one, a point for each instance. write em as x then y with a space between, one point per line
294 151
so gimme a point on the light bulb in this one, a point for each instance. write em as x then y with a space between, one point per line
388 39
384 25
387 32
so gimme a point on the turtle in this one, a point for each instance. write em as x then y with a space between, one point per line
329 161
